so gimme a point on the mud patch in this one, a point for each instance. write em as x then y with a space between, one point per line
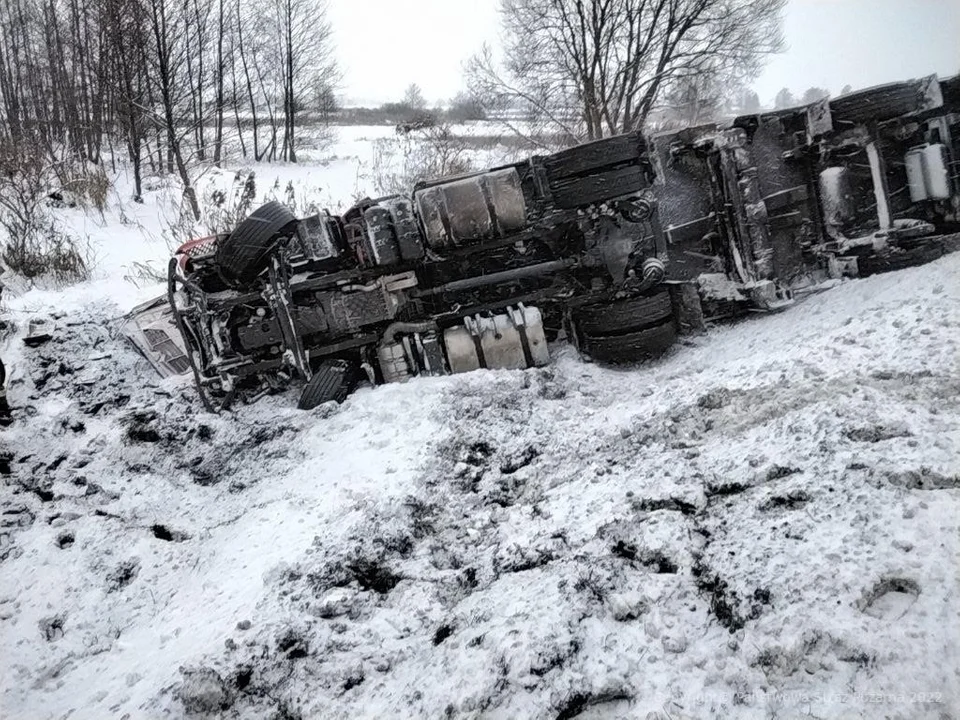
890 598
520 460
658 562
141 428
714 399
442 633
122 575
922 479
18 516
203 691
472 460
52 627
789 501
721 489
372 575
162 532
655 560
578 703
876 433
724 602
672 503
293 644
776 472
352 681
557 656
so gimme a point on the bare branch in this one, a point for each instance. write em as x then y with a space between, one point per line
590 68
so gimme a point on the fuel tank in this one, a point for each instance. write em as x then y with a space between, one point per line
511 341
472 209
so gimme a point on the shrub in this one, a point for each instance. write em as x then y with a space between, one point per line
420 154
221 211
42 250
36 246
90 186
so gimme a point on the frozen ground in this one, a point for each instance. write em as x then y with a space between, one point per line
762 525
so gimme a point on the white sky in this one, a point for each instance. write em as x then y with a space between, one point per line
384 45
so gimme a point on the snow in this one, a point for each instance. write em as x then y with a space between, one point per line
762 524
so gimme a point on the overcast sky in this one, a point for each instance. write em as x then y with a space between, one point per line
384 45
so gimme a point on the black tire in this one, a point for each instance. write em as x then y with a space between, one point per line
617 150
244 253
624 315
876 264
630 347
581 191
332 380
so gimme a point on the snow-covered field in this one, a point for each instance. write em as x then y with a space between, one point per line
764 524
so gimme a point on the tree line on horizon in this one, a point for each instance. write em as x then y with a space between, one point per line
160 80
83 80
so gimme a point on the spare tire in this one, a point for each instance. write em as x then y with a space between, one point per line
244 253
332 380
876 264
630 347
624 315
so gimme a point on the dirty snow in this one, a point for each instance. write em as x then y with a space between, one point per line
763 524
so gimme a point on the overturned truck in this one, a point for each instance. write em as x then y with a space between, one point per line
617 246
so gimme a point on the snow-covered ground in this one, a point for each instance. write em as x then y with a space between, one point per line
764 524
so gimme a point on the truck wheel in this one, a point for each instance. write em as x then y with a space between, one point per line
876 264
596 171
630 347
244 253
572 192
332 380
624 315
583 158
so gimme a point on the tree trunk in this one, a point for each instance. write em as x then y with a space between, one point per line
218 131
174 154
250 94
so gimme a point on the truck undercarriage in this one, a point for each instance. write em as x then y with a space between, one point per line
617 245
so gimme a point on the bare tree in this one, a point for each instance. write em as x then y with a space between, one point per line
465 107
694 100
749 102
53 77
169 51
310 65
784 99
811 95
286 46
156 77
590 68
244 56
413 97
128 38
221 69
